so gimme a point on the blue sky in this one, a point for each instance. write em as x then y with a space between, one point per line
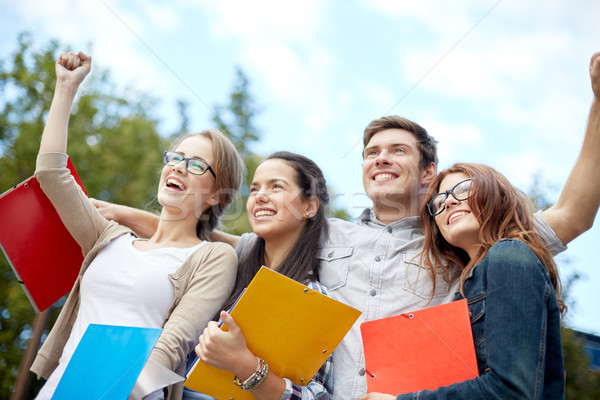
503 83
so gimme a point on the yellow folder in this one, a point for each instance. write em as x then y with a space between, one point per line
293 328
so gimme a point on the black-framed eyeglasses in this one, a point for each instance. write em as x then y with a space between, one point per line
460 191
195 166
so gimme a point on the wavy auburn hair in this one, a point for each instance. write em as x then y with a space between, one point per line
502 211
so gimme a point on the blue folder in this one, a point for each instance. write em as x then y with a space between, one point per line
107 362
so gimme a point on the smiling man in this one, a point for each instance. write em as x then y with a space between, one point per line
399 157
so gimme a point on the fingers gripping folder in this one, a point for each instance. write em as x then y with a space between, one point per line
293 328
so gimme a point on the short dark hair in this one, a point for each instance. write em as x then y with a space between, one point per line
427 144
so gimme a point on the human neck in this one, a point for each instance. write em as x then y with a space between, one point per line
388 215
175 232
390 210
276 251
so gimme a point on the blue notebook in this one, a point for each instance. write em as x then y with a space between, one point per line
107 362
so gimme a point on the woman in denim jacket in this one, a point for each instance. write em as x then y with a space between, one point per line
479 221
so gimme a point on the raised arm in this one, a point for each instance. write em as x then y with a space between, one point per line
576 208
71 69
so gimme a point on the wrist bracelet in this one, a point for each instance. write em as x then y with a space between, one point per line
262 369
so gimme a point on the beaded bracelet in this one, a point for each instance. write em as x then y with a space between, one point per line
262 369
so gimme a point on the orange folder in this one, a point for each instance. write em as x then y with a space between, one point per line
421 350
42 253
293 328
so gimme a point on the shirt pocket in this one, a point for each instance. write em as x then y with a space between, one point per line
417 279
334 266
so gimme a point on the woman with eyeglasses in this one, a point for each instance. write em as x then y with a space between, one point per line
477 220
175 280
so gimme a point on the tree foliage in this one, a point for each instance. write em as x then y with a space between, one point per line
236 119
582 382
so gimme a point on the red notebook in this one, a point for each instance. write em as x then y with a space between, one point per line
40 250
421 350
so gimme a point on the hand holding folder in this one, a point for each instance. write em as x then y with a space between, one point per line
421 350
293 328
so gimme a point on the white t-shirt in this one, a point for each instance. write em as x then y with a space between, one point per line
122 286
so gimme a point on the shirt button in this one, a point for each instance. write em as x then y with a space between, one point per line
389 229
361 372
330 254
377 258
373 292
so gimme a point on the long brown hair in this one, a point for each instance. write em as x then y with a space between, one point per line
502 211
301 263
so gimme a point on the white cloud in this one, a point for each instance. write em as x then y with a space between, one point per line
260 19
456 142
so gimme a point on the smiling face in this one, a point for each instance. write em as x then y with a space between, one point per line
456 222
392 177
182 193
276 207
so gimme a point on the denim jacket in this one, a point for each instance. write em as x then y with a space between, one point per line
516 330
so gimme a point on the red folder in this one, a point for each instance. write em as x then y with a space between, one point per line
42 253
421 350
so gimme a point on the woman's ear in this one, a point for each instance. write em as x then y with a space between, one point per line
311 207
213 200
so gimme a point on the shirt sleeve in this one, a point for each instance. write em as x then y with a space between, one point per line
76 211
245 244
320 387
547 235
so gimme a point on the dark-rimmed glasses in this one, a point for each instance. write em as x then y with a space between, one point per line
461 192
195 166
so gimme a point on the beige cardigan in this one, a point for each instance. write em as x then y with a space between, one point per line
201 284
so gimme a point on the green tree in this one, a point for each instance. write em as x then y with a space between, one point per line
236 118
582 383
114 146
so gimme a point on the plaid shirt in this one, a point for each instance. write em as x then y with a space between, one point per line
321 385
